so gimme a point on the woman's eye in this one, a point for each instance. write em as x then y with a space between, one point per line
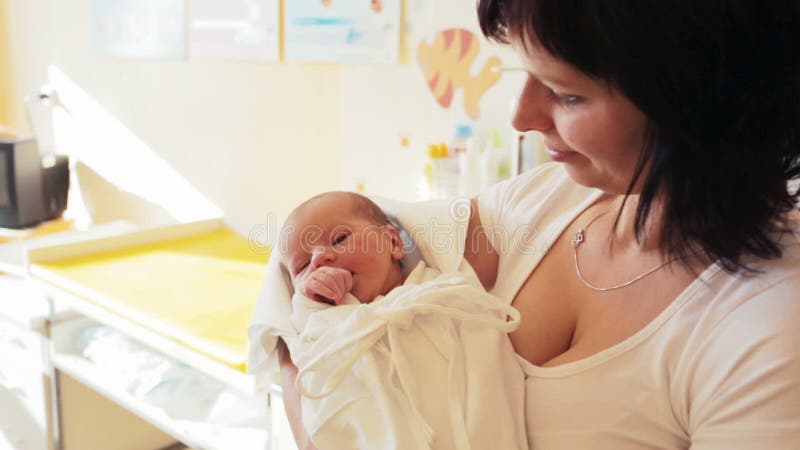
564 99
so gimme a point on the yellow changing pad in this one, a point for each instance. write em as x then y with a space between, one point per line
198 290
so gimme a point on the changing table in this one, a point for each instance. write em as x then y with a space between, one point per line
184 292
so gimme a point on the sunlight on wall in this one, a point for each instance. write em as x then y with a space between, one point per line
89 133
7 118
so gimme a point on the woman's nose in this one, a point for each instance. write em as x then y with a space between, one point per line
533 111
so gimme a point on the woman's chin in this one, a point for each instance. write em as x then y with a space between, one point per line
591 179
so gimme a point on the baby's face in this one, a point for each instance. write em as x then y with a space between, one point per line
328 232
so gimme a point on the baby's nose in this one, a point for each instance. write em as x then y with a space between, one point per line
322 256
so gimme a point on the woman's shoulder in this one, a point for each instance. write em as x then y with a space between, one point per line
770 289
744 349
747 314
545 177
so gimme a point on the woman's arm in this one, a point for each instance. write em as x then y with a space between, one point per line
479 251
291 398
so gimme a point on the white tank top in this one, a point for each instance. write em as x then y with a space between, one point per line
718 369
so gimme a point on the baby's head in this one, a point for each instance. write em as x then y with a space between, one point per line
346 231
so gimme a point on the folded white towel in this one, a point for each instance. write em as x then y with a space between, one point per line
434 231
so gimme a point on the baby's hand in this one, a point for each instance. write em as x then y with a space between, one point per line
326 284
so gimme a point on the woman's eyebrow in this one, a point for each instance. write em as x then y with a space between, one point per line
509 69
548 78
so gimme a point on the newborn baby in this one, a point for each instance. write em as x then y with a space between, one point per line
341 249
388 361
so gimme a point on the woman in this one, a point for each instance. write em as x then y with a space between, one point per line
659 293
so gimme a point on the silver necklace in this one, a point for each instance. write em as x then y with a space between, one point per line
580 236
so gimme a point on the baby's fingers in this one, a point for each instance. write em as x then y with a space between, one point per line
338 279
348 282
342 277
322 290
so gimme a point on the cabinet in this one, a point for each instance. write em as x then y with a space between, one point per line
99 402
24 386
186 406
22 396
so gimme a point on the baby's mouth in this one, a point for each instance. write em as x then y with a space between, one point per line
325 300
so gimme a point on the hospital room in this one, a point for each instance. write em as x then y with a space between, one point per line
399 224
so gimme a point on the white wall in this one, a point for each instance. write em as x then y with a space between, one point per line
254 138
30 50
379 104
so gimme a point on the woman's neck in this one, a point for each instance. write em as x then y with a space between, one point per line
622 235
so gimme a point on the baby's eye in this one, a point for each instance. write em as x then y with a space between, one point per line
301 267
340 238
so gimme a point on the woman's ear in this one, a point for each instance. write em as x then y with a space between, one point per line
395 242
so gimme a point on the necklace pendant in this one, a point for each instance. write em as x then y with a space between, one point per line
578 238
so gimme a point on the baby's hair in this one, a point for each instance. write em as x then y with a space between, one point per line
361 205
367 209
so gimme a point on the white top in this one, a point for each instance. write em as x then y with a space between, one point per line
415 369
719 369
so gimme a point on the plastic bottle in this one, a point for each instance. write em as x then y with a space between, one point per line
493 164
469 179
461 139
440 173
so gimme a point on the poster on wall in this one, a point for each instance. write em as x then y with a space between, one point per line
139 29
235 29
345 31
448 62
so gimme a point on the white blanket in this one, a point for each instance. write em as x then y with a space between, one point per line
434 231
428 366
474 401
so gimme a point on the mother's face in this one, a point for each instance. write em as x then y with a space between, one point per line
591 128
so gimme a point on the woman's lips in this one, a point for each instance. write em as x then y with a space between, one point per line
559 155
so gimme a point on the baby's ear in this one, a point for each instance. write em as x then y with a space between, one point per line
396 243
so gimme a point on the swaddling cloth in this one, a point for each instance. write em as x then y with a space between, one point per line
428 366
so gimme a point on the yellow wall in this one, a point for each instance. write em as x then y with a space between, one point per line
7 116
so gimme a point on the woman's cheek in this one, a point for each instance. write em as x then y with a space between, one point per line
573 131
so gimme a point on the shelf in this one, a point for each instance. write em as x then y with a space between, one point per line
197 434
201 362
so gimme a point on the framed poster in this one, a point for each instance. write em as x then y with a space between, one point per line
343 31
235 29
139 29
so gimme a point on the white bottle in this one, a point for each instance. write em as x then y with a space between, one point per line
493 167
469 179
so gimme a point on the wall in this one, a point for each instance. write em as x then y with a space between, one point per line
380 104
27 26
8 116
253 138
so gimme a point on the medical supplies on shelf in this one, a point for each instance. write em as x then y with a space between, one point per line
462 170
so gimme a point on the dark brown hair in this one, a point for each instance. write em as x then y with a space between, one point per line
719 84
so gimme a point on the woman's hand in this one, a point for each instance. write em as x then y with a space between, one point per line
291 398
326 284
